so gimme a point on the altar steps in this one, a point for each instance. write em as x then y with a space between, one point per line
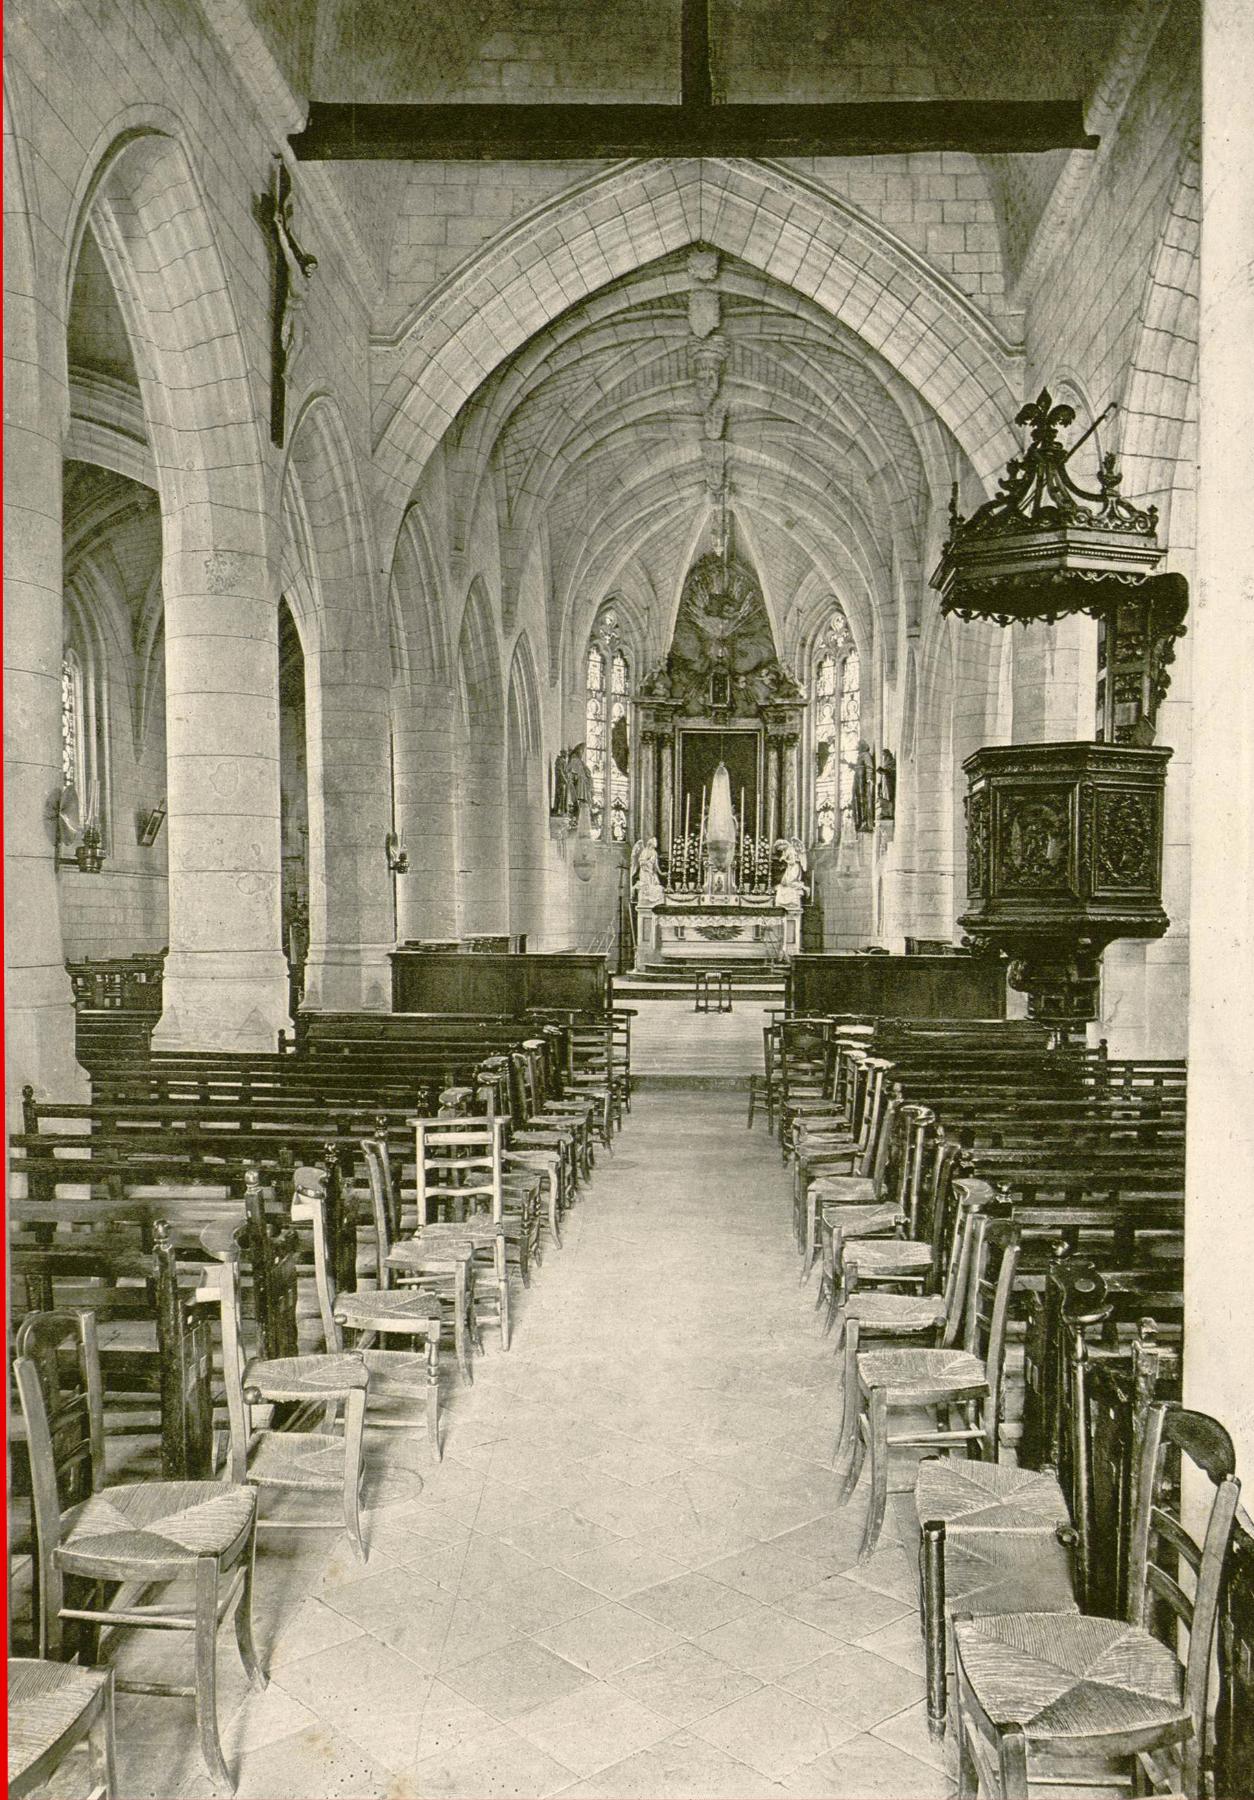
679 985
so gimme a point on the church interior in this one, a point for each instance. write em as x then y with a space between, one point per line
628 777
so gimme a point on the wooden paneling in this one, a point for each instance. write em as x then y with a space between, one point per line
434 981
899 987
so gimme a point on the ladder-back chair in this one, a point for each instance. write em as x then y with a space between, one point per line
127 1537
959 1380
394 1373
441 1270
291 1462
1066 1694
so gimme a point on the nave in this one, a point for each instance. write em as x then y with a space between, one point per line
626 1576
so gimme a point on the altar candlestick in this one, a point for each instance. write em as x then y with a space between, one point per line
687 829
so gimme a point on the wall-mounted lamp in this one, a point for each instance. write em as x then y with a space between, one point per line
398 855
89 856
148 826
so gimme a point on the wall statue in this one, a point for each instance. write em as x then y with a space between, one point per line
886 787
864 789
578 781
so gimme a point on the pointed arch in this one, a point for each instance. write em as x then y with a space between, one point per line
771 218
524 697
480 768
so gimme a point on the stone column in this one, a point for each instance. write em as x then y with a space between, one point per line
648 785
788 755
772 789
423 753
225 976
1220 1168
351 926
39 1018
666 793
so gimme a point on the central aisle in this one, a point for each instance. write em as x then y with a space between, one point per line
626 1578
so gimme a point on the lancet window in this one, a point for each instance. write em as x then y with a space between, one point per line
82 742
606 727
73 774
837 702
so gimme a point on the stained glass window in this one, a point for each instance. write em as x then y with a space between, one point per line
72 726
837 703
850 730
607 728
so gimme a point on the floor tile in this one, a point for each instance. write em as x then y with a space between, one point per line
908 1731
316 1760
862 1688
514 1680
685 1682
842 1608
445 1630
691 1604
264 1718
446 1719
767 1643
773 1731
500 1764
866 1768
901 1643
592 1728
313 1626
623 1566
610 1638
372 1696
558 1537
681 1767
763 1571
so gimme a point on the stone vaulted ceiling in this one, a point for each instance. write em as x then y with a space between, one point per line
617 435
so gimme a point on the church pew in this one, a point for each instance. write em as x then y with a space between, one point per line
898 986
157 1360
1234 1710
1110 1388
1104 1299
441 981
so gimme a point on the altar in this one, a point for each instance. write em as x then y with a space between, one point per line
719 931
718 872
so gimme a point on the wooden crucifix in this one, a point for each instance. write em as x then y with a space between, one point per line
292 269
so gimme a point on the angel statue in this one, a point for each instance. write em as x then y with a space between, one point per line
790 890
646 875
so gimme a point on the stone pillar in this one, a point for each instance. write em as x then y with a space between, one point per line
772 790
39 1017
666 793
788 756
423 765
1220 1170
225 976
351 926
648 785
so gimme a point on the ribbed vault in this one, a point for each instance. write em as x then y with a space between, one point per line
597 436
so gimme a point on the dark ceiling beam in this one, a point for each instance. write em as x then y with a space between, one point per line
697 86
347 132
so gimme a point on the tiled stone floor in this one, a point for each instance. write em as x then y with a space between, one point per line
626 1577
